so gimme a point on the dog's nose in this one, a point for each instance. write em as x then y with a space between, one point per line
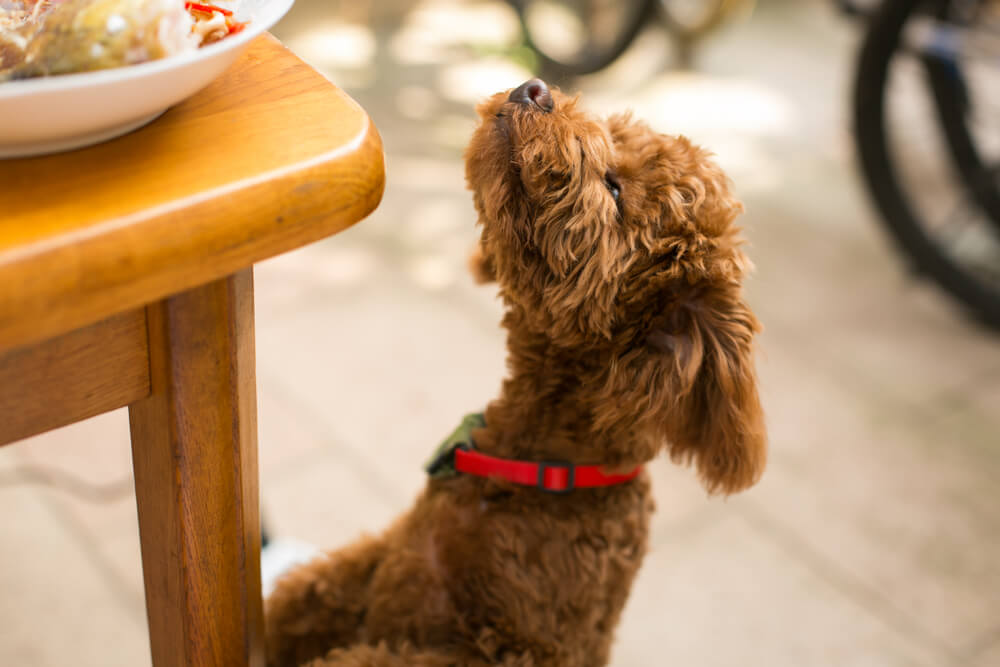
533 91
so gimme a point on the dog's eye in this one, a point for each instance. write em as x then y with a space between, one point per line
613 187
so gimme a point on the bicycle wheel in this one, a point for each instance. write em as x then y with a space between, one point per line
575 37
914 90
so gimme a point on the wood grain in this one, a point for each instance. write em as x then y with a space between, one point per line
81 374
194 450
268 158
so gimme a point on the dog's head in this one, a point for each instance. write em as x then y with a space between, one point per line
606 237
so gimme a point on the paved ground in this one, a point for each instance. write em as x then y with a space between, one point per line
874 538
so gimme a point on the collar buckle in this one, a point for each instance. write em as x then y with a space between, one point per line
552 486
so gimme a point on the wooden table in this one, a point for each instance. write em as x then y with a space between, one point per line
126 279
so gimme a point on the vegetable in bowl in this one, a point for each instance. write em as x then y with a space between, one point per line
52 37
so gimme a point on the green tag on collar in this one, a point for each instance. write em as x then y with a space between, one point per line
442 463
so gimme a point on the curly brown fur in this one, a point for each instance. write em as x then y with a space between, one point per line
627 335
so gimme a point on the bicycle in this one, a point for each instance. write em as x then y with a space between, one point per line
577 37
947 51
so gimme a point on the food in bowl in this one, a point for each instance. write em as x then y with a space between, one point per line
212 22
51 37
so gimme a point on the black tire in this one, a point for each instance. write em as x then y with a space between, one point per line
881 44
593 55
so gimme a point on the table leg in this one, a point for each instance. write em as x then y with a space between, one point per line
194 450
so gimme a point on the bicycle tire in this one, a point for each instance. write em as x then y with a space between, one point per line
880 43
596 59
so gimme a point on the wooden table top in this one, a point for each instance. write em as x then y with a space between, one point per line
270 157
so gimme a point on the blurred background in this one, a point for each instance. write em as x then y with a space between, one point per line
874 536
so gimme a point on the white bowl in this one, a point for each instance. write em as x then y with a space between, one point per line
58 113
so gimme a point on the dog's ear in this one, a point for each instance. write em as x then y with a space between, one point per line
481 265
712 416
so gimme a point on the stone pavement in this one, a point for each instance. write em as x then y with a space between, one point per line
874 537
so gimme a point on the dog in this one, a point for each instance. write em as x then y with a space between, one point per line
620 270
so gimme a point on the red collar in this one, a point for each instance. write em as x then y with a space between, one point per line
551 476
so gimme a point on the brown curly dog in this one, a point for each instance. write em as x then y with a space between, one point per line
620 268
